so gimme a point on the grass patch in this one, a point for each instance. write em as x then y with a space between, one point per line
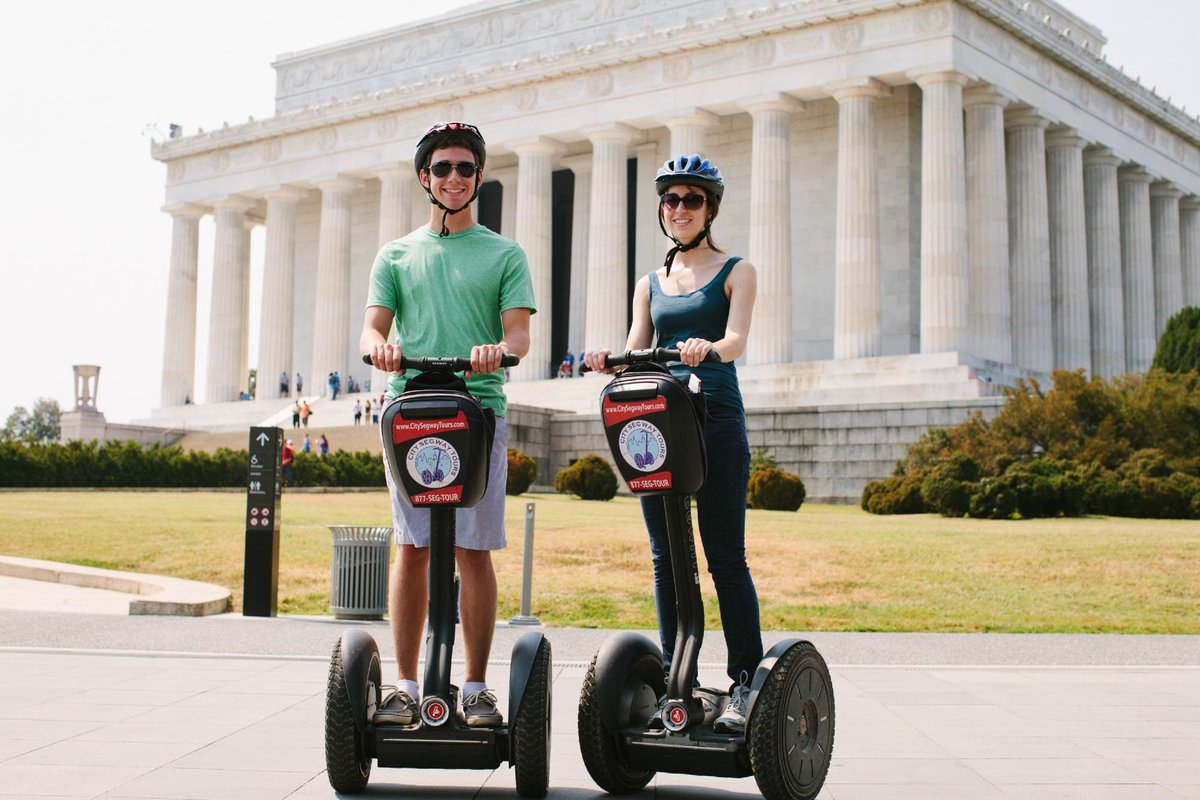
824 568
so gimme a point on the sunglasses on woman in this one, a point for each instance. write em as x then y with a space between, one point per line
692 202
441 169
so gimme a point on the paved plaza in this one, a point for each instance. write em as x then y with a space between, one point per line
97 704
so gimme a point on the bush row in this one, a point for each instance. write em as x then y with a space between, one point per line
129 465
1125 447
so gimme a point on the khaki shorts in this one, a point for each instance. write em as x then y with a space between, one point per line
480 527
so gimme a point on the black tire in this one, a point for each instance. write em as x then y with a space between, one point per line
346 758
531 729
602 752
790 736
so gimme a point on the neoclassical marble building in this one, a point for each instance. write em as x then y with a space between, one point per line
911 177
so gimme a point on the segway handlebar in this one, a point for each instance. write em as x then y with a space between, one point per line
659 355
443 364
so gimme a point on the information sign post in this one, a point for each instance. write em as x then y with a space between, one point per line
260 592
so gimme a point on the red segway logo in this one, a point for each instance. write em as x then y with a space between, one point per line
436 712
677 717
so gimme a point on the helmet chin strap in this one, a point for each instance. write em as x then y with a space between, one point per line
447 211
679 247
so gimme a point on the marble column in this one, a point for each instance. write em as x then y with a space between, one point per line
1165 244
276 320
398 189
1068 250
244 349
649 245
1189 247
989 303
396 193
689 131
943 213
535 165
770 242
1029 238
1137 267
857 287
331 315
227 312
581 165
1105 292
179 338
607 281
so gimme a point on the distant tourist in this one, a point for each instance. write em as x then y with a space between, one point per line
357 413
305 413
296 414
283 384
306 445
299 384
323 445
288 454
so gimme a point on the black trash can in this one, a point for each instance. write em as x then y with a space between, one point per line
359 576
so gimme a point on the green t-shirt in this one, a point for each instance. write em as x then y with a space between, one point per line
448 294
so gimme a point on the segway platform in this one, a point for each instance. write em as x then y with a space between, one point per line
654 429
437 440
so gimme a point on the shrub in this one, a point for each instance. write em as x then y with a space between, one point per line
775 490
521 471
898 494
994 499
591 478
947 487
1178 348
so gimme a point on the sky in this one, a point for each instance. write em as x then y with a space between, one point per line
84 245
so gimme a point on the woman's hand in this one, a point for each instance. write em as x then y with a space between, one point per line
595 360
693 351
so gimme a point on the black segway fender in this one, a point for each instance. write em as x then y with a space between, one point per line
523 655
613 662
764 669
359 653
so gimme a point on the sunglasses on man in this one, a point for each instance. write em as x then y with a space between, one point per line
441 169
692 202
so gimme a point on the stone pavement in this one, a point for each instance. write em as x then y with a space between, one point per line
102 705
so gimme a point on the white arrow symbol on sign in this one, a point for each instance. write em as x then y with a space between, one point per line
263 438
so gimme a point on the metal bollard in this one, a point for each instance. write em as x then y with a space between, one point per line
525 618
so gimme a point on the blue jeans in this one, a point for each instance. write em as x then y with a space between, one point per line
721 516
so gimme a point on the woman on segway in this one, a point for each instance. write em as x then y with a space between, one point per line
702 301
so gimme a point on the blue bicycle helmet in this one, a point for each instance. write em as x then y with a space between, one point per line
692 170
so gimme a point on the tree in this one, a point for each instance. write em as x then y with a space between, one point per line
1178 348
43 424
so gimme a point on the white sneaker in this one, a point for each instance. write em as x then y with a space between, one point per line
733 718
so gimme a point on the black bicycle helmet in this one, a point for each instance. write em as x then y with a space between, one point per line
437 136
693 170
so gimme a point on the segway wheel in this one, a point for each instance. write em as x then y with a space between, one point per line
346 758
601 749
790 735
531 729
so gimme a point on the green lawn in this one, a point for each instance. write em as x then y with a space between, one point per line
831 568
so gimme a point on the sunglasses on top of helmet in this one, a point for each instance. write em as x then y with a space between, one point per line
692 202
441 169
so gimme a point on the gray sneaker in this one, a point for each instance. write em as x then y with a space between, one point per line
399 709
733 718
479 710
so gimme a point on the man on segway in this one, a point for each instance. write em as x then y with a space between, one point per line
451 286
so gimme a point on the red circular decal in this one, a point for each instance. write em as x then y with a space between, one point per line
677 716
436 710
